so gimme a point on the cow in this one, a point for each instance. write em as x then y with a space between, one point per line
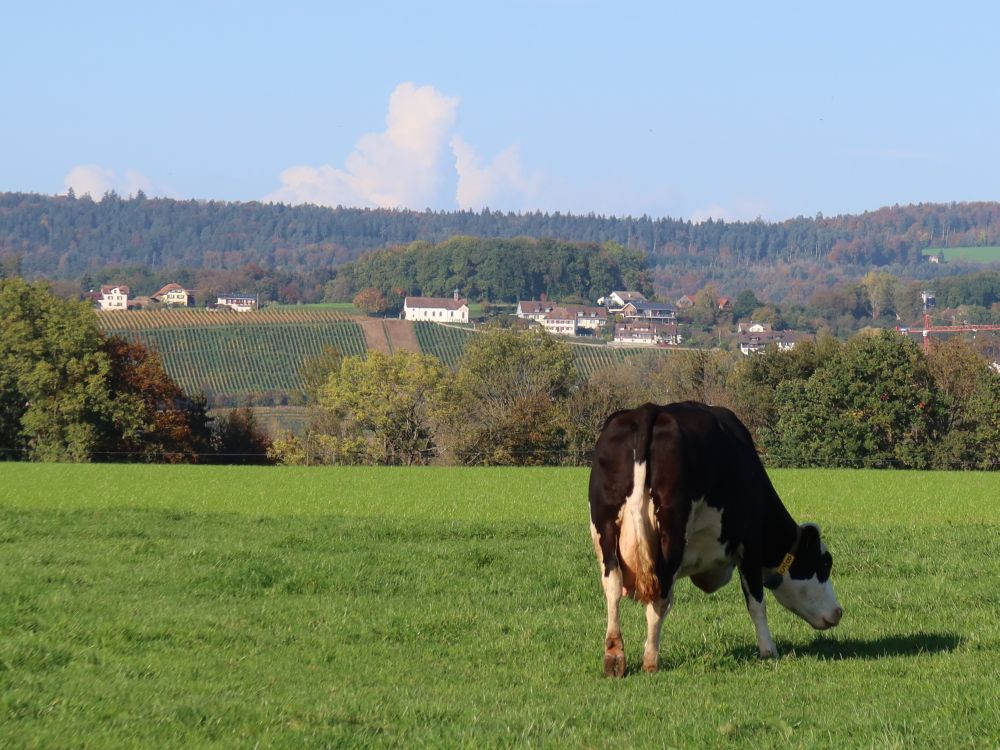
678 491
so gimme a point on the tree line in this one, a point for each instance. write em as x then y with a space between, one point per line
67 236
496 270
874 401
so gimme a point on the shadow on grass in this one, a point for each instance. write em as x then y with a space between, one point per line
912 644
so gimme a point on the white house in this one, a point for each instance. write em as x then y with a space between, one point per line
757 341
114 297
174 294
617 300
560 322
588 317
530 309
647 333
436 309
238 302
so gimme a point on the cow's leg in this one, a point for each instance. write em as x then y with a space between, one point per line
754 593
656 611
606 544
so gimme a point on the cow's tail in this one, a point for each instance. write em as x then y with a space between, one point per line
646 582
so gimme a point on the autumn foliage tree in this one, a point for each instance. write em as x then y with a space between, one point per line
174 428
371 301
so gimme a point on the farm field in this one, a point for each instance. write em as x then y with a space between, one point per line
967 254
238 356
233 357
370 607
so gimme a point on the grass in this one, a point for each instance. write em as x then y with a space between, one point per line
311 607
968 254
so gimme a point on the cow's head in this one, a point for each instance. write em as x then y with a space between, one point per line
805 588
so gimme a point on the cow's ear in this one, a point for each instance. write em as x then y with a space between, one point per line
809 538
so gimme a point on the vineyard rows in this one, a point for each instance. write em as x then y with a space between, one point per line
231 357
444 342
141 320
232 362
448 345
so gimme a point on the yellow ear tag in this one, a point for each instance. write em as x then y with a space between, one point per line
785 564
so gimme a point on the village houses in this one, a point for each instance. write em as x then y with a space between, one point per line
563 319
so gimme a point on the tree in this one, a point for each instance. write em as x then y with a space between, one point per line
873 404
753 384
585 410
372 410
56 400
502 407
880 290
970 393
371 301
238 440
746 302
172 427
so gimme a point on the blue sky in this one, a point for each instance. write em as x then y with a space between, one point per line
731 110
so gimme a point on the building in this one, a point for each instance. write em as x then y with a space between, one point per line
534 309
114 297
617 300
238 302
174 294
436 309
588 318
647 334
560 322
756 341
652 311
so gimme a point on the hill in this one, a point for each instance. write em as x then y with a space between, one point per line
258 356
66 237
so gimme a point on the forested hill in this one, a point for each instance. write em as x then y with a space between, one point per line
65 236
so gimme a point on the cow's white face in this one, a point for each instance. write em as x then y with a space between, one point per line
807 590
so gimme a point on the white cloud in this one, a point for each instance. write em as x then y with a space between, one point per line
500 184
95 180
398 167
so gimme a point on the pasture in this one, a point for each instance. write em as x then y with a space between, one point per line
168 606
967 254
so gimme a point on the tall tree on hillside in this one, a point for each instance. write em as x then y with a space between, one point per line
502 406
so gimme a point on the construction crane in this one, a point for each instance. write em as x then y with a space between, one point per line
929 302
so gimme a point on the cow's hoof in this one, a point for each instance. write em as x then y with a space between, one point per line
614 664
651 667
771 653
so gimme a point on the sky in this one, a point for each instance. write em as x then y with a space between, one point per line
725 110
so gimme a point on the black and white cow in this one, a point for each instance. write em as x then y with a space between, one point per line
679 491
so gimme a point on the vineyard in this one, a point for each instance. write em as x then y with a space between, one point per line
233 357
448 345
444 342
142 320
256 356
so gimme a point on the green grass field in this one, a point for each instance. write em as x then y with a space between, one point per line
160 606
967 254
